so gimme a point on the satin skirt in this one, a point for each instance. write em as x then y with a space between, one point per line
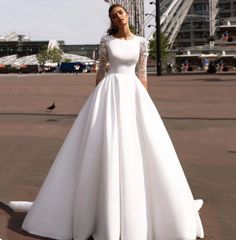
117 175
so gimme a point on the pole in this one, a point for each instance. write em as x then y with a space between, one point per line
135 17
158 39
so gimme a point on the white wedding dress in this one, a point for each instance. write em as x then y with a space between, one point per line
117 175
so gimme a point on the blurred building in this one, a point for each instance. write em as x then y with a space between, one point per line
21 45
173 13
202 23
222 55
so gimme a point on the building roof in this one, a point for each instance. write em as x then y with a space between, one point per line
14 37
32 59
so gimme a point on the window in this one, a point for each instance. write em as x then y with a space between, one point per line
185 44
185 25
225 15
200 7
184 35
200 34
225 6
200 25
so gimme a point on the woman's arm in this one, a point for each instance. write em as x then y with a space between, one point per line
103 59
142 63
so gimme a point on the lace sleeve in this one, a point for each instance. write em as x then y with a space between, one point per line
142 63
103 59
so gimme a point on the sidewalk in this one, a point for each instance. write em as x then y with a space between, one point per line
199 112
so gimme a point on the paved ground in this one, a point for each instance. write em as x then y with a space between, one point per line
199 112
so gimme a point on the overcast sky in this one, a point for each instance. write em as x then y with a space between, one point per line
74 21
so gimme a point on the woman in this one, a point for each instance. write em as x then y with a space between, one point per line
117 175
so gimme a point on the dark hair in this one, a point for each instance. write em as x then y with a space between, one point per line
113 29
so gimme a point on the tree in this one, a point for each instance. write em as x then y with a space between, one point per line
165 45
54 55
66 60
49 55
42 55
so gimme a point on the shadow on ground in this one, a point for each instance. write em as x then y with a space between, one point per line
16 220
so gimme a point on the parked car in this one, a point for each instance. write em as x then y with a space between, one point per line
28 68
69 67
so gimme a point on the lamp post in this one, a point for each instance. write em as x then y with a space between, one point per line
135 17
158 37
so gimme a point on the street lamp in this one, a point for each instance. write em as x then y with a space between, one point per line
158 37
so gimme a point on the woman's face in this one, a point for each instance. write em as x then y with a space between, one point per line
119 17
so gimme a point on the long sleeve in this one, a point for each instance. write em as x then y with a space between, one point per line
142 63
103 59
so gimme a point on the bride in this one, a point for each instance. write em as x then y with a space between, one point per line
117 175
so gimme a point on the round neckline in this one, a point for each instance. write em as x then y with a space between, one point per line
130 39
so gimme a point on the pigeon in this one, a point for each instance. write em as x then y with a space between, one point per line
51 107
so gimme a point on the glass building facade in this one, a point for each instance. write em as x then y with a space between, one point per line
195 28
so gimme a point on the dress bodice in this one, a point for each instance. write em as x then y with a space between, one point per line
123 55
